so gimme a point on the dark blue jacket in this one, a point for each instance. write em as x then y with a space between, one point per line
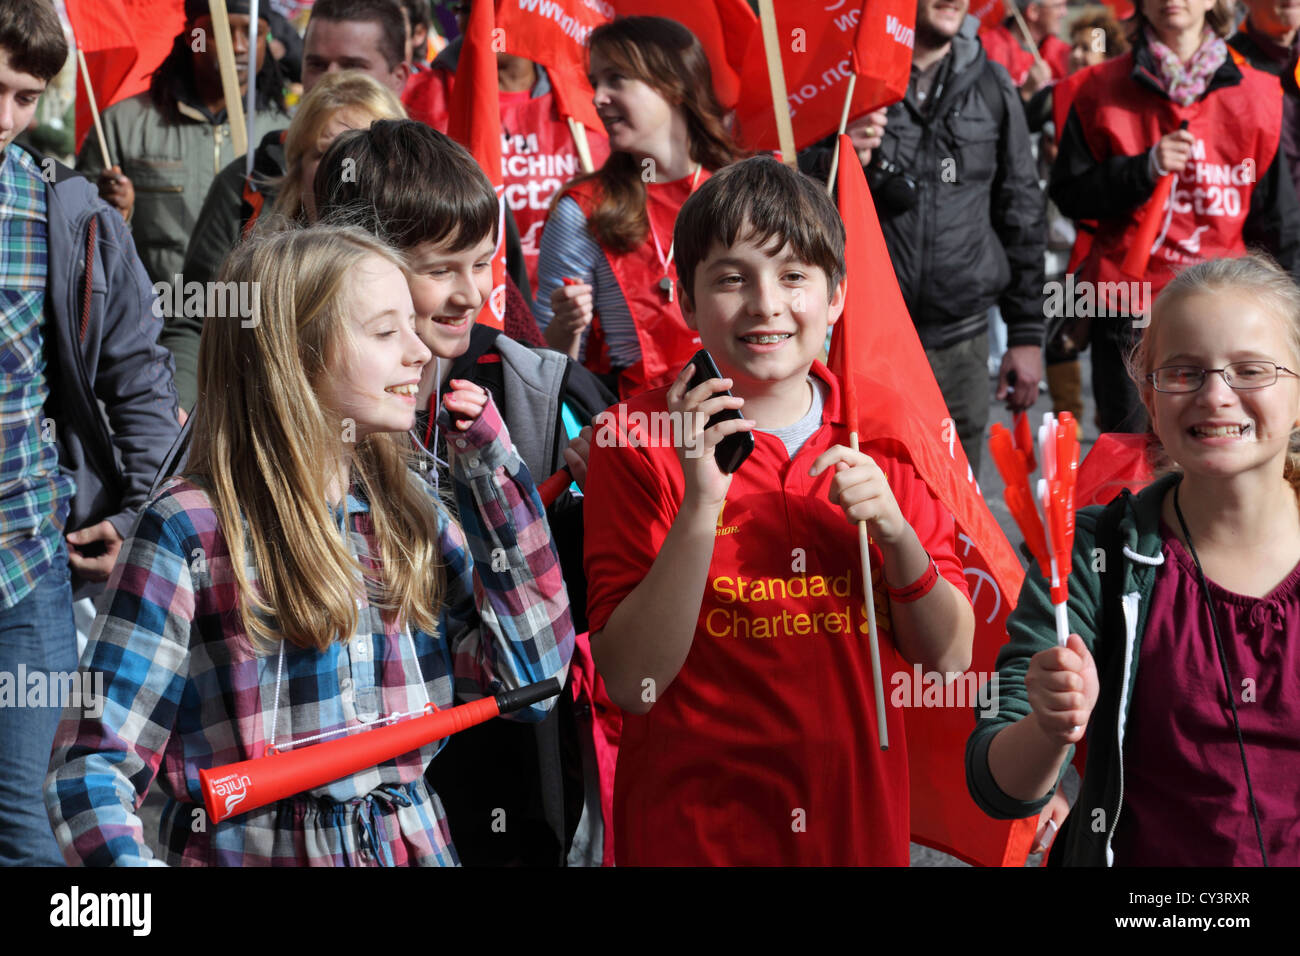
110 383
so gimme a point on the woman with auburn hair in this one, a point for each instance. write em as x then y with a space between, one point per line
301 582
1125 132
338 102
612 230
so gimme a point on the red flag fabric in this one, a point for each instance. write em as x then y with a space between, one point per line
1117 461
119 57
474 121
723 27
819 47
554 33
900 400
988 12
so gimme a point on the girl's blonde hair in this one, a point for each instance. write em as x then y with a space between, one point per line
348 89
1254 274
262 439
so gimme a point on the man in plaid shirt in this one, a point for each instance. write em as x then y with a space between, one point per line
87 410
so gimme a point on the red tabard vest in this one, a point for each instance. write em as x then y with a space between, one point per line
666 343
1237 130
1062 99
538 156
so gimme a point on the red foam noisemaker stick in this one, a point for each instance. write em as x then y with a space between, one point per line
1139 252
1024 440
1010 462
239 787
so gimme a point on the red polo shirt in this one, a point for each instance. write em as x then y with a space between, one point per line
763 750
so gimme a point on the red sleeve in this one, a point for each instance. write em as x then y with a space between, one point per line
631 500
928 518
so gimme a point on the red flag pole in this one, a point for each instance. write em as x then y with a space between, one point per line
94 109
850 387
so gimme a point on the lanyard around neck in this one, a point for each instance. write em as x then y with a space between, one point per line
666 261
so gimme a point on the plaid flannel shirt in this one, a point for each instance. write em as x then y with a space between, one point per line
34 495
185 692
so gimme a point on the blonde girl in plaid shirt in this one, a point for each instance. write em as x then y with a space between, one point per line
357 598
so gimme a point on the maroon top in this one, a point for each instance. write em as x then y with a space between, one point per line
1185 801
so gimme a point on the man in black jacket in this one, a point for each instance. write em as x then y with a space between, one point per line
964 218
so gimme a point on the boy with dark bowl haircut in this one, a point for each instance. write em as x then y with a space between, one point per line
727 611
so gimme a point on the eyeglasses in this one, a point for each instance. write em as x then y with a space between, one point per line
1241 376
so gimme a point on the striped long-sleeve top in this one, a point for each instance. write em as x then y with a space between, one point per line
184 691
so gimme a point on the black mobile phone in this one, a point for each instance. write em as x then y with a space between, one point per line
731 452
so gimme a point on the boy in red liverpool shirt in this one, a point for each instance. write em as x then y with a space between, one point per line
726 611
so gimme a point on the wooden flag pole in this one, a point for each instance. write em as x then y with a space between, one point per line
250 107
94 109
776 76
579 134
1024 29
229 76
844 122
873 639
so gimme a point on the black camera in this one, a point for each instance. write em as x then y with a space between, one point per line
892 187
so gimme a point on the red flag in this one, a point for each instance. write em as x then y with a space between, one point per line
903 403
988 12
723 27
554 33
819 46
474 121
119 58
1117 461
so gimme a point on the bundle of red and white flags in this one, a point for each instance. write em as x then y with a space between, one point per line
1046 519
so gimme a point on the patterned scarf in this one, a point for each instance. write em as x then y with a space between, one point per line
1185 84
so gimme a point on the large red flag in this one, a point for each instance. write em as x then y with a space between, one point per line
902 401
554 33
119 57
818 50
988 12
723 27
474 121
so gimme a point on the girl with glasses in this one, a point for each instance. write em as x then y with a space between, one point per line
1184 606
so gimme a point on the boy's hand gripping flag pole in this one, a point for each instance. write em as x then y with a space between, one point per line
1049 534
850 388
239 787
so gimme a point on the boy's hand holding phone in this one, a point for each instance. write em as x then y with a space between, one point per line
706 482
1062 685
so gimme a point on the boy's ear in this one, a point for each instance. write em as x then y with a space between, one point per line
838 297
687 306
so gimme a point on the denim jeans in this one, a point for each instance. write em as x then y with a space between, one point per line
39 634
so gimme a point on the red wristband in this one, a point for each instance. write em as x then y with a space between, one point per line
918 588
